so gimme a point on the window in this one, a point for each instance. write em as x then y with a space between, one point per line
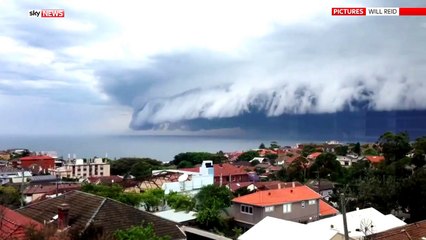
312 202
287 208
303 204
247 209
269 209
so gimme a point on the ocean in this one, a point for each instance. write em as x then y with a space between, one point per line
162 148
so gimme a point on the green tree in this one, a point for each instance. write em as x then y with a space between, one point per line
308 149
198 157
139 232
419 158
115 192
296 171
327 165
126 166
342 150
211 201
357 148
180 202
153 199
394 146
262 146
247 156
274 145
371 152
413 195
185 164
10 197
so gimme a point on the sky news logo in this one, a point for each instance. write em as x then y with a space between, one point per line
48 13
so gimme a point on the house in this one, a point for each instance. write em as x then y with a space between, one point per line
4 155
295 203
225 173
346 161
14 225
105 180
413 231
36 164
84 214
327 210
314 155
325 187
38 192
189 180
13 175
83 168
277 229
374 159
360 223
181 217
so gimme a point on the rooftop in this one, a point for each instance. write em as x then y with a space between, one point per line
375 159
110 215
13 224
412 231
177 216
278 196
326 209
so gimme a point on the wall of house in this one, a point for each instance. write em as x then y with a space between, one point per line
233 178
297 214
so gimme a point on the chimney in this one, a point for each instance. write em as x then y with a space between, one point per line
63 211
293 184
279 185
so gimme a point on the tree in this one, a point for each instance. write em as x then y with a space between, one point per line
413 195
185 164
342 150
139 232
247 156
153 199
296 171
180 202
262 146
115 192
327 165
370 152
211 201
141 170
198 157
126 166
394 146
357 148
10 197
308 149
274 145
419 158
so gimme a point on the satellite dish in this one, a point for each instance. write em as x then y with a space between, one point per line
183 177
366 226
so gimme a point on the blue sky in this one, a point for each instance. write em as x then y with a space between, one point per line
118 67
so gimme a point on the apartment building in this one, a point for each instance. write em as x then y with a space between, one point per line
84 168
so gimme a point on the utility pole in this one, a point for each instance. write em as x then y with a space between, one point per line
22 188
343 209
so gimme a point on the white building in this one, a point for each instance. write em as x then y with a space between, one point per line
189 182
83 168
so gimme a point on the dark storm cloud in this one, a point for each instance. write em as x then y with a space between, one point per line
353 64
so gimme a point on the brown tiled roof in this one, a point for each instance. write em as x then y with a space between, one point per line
108 214
49 189
414 231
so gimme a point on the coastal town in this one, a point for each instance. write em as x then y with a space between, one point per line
329 190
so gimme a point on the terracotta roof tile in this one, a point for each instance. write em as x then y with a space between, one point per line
224 169
375 159
13 224
278 196
326 209
412 231
105 213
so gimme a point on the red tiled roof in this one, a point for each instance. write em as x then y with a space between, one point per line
194 169
375 159
13 225
278 196
326 209
105 179
49 189
234 186
227 169
44 157
275 185
224 169
411 231
314 155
